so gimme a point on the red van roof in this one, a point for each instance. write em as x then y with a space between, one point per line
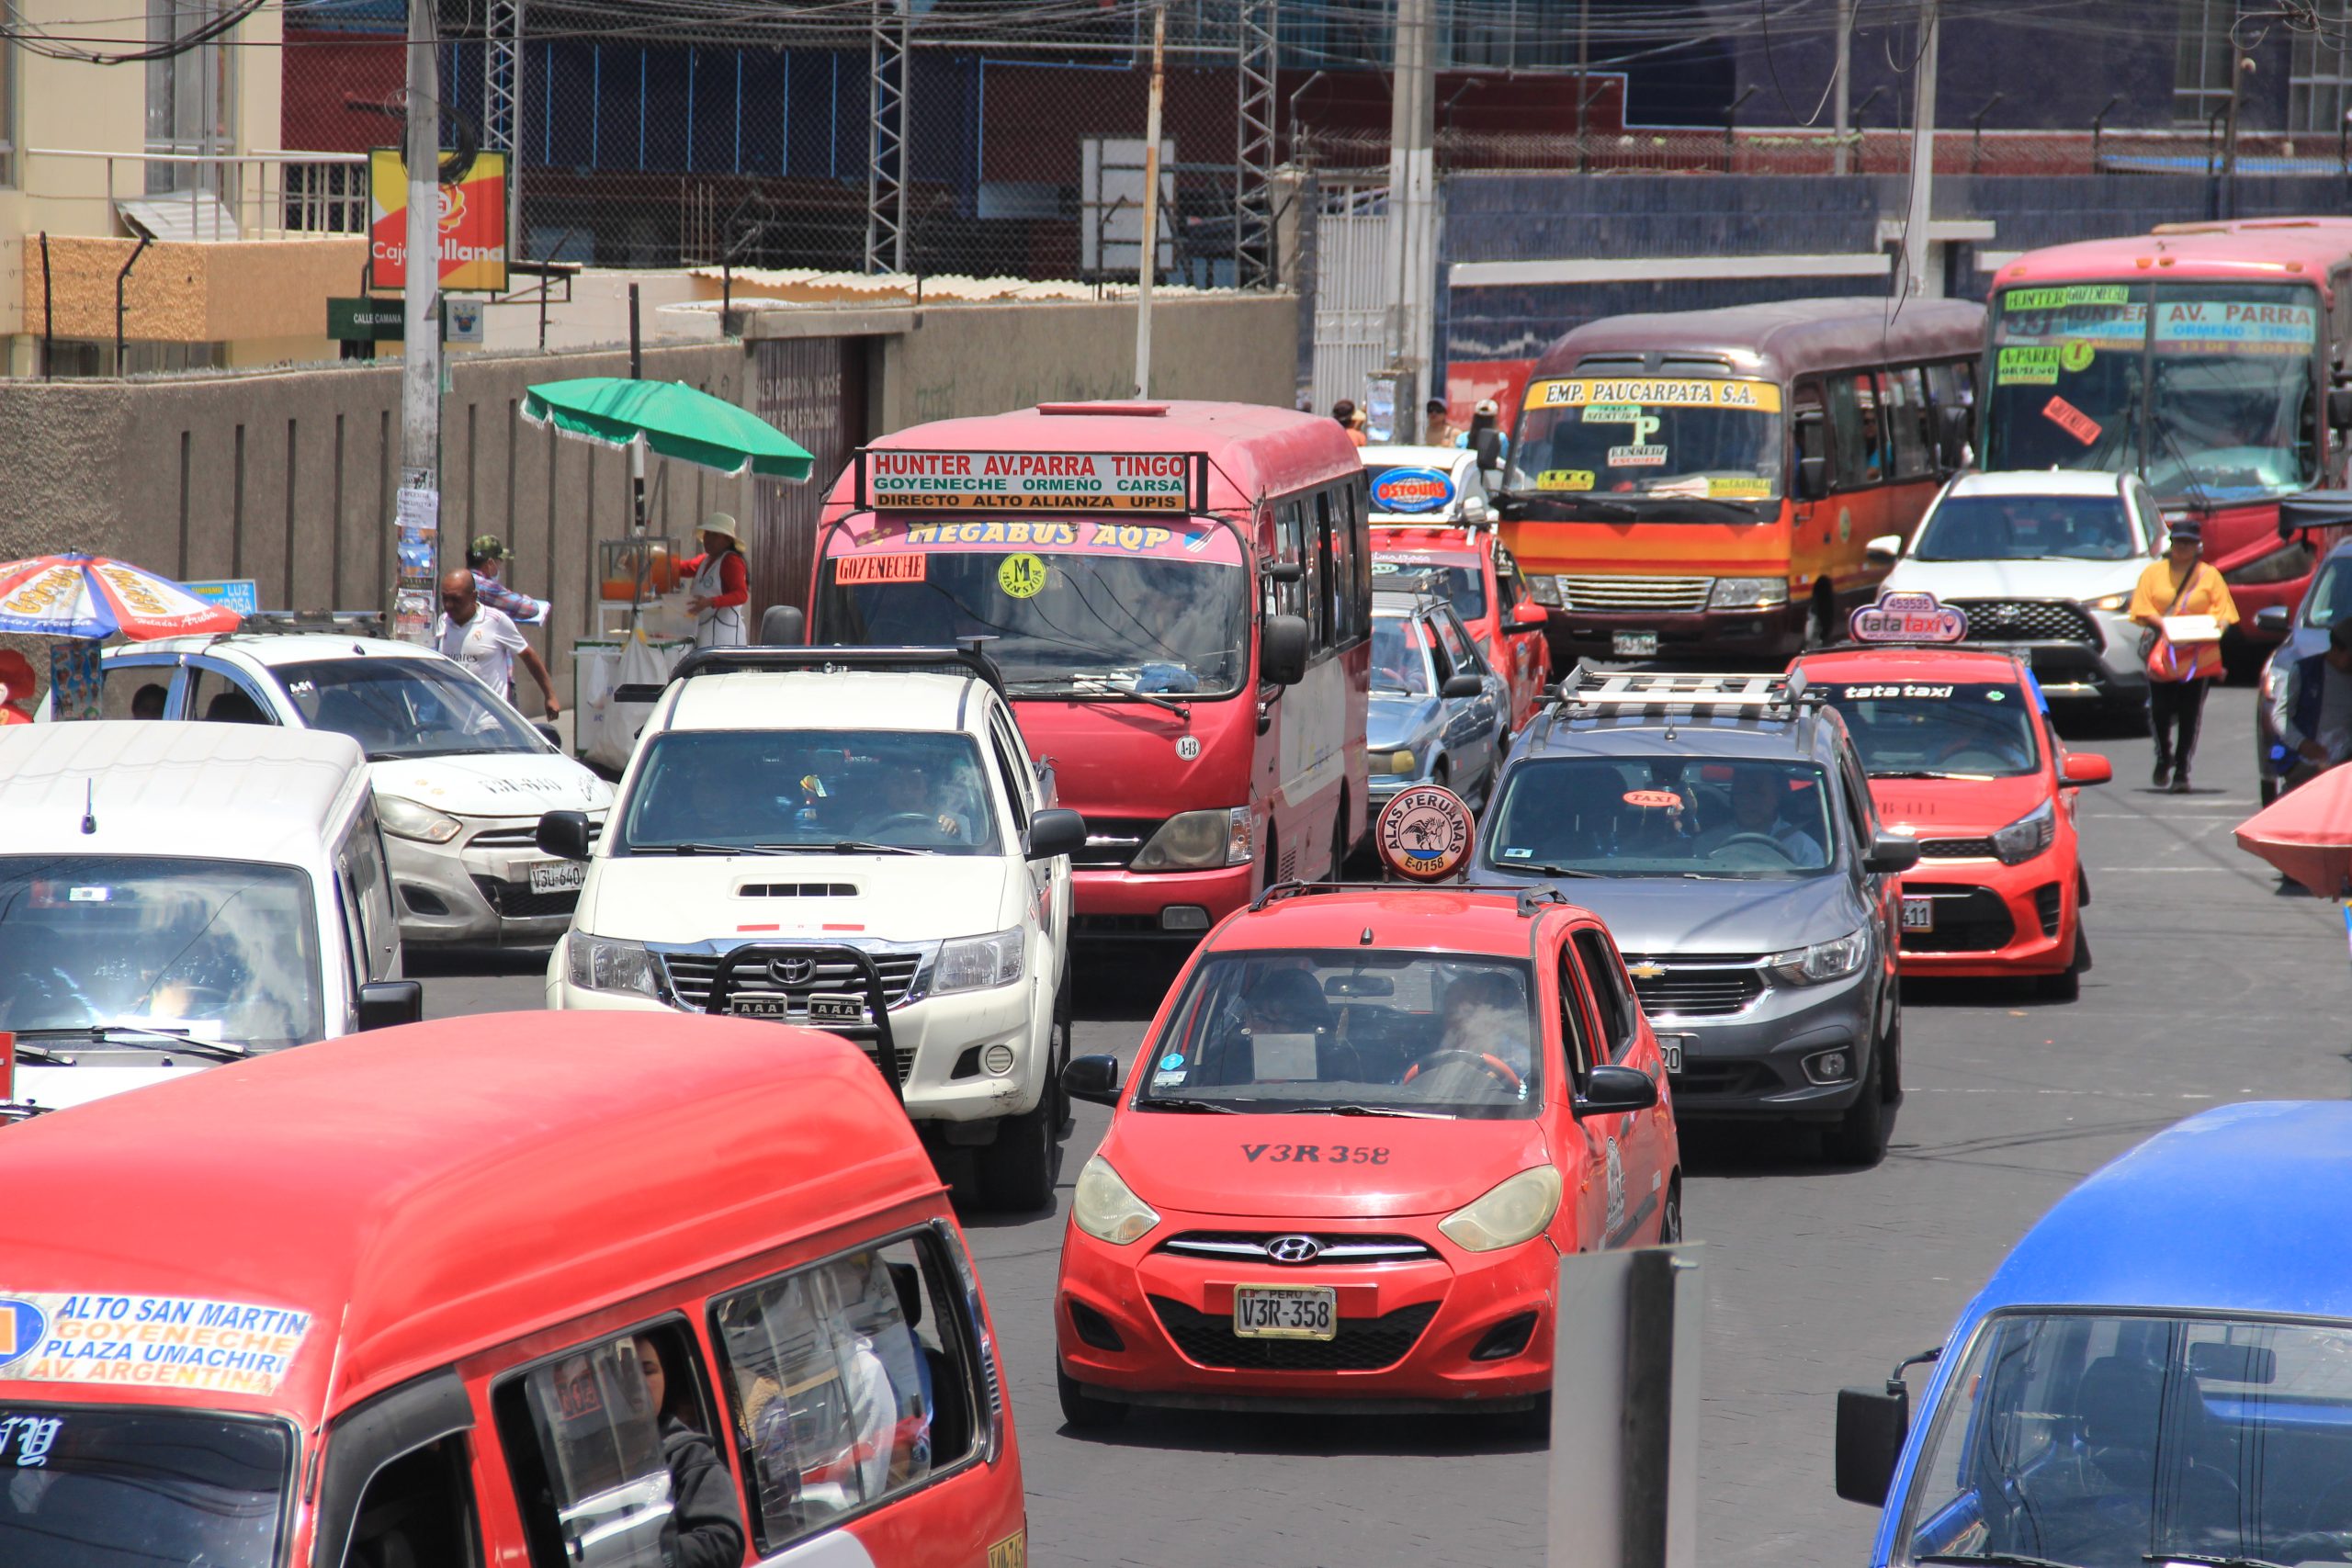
1253 450
426 1192
2276 251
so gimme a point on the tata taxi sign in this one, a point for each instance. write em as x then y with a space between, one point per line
891 479
472 223
1908 618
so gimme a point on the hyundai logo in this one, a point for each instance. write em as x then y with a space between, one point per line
792 971
1294 1249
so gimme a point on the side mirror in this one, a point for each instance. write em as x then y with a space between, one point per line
2084 768
783 625
1952 436
1094 1079
1872 1424
1056 832
1891 852
564 834
1489 447
1883 550
1286 571
2274 620
1813 477
548 733
1460 683
1528 612
387 1004
1282 651
1611 1092
2340 407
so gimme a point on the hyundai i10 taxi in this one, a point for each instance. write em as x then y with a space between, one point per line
1365 1126
1962 756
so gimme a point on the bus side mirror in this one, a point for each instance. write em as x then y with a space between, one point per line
1872 1424
1282 651
783 625
1489 447
2340 407
1813 477
1952 436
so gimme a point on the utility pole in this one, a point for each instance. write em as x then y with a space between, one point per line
1842 82
1412 208
2239 66
1147 261
418 517
1923 156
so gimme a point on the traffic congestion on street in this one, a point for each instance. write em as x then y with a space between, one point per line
1707 945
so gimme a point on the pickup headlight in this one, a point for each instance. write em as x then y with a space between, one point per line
1199 840
1824 961
2284 564
1545 590
2109 602
976 963
608 964
406 820
1749 593
1513 1211
2029 835
1106 1208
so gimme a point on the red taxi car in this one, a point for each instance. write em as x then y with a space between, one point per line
1962 756
1473 571
1361 1132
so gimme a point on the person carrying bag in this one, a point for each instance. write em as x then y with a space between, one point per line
2179 586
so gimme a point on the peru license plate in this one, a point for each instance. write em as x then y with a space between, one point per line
1274 1313
1633 645
1918 914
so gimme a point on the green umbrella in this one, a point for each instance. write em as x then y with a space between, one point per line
673 420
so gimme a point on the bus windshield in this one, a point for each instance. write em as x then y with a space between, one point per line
1650 438
2205 387
132 1486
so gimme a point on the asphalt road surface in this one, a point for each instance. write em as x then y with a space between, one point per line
2210 985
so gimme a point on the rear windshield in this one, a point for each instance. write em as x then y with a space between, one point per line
1662 817
114 1487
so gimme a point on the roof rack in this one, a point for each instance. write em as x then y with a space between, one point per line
965 658
1590 687
1529 898
269 623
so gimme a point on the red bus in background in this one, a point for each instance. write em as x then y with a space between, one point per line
1180 595
2199 356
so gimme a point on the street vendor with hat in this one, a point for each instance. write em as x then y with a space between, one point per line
2181 590
721 585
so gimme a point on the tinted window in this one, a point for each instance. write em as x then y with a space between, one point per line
1662 818
794 788
124 1487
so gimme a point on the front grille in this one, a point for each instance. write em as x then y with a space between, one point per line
2028 620
515 901
1250 1247
692 974
1701 1080
1362 1344
2048 899
1955 848
1671 595
1696 987
525 836
1112 841
1968 920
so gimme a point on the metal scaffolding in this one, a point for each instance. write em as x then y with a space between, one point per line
1255 264
502 101
886 138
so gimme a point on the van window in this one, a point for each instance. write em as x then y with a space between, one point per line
418 1510
611 1459
1322 573
1910 425
1855 438
1290 544
850 1380
124 1484
1610 1000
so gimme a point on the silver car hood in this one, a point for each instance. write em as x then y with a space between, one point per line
1659 916
1391 721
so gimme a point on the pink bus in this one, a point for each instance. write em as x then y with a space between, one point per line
1180 596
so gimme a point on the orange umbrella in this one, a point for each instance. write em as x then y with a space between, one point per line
2307 833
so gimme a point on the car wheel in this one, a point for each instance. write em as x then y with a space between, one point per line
1669 1223
1533 1423
1017 1170
1065 1122
1081 1409
1889 1052
2066 985
1859 1136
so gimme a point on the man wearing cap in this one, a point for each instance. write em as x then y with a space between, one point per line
721 592
2179 673
485 558
2311 708
485 641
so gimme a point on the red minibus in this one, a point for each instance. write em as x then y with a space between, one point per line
534 1289
1180 596
2201 355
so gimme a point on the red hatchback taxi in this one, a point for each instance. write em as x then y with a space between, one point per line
1962 756
1363 1129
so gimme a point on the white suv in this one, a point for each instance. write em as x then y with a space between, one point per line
800 825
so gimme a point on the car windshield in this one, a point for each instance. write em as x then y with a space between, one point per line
1401 659
1967 729
2027 527
220 950
132 1488
405 707
809 789
1294 1030
2106 1442
1463 587
1667 439
2330 599
1662 817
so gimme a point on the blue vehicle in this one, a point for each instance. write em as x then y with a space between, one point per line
1439 713
2325 601
2160 1372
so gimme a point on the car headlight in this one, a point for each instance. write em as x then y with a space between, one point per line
1200 840
406 820
1513 1211
1106 1208
2284 564
2029 835
1401 763
976 963
608 964
1545 590
1832 960
2109 602
1749 593
2269 680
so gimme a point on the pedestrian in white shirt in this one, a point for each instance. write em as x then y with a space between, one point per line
484 640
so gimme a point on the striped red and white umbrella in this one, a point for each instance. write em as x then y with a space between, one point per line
78 595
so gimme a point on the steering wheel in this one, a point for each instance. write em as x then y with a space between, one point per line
904 819
1765 840
1493 1066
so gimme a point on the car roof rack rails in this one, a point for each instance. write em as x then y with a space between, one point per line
1594 688
968 657
1530 899
267 622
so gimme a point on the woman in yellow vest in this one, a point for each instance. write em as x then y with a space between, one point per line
2181 585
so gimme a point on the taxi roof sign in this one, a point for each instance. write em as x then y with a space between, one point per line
893 479
1909 617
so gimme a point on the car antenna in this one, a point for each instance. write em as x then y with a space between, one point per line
89 806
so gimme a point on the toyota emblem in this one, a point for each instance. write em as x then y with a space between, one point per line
792 971
1294 1249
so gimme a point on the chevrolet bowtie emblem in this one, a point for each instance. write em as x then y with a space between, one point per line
1646 971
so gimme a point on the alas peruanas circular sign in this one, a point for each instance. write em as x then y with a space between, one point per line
1423 835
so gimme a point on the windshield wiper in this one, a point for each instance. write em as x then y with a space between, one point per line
2203 1560
1910 774
1354 1110
695 847
2002 1559
1546 871
146 1038
33 1055
1194 1105
849 847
